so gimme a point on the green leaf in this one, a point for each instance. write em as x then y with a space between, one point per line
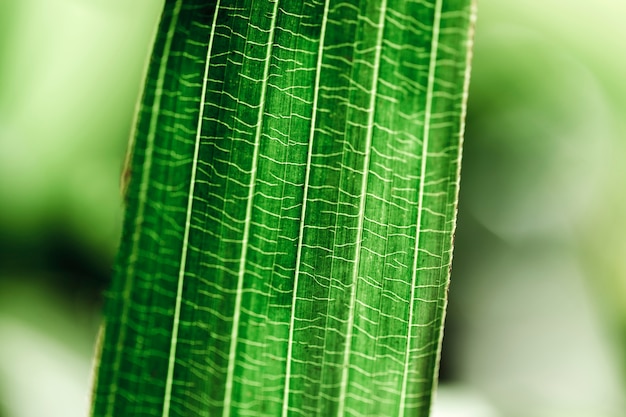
290 211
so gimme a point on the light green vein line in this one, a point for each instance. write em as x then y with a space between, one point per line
232 355
359 239
427 117
143 191
466 82
461 132
124 189
318 71
167 398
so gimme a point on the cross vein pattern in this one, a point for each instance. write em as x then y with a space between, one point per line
292 199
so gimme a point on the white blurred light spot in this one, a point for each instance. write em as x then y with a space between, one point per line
459 401
39 376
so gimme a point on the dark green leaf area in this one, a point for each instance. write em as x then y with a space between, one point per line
138 315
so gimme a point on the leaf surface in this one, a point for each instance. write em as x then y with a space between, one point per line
290 211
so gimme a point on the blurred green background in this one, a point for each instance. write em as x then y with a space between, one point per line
537 315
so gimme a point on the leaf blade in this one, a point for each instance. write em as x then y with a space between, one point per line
293 275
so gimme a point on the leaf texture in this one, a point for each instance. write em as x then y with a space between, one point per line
290 211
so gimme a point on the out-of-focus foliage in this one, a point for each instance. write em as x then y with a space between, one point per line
536 305
537 322
70 72
69 79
